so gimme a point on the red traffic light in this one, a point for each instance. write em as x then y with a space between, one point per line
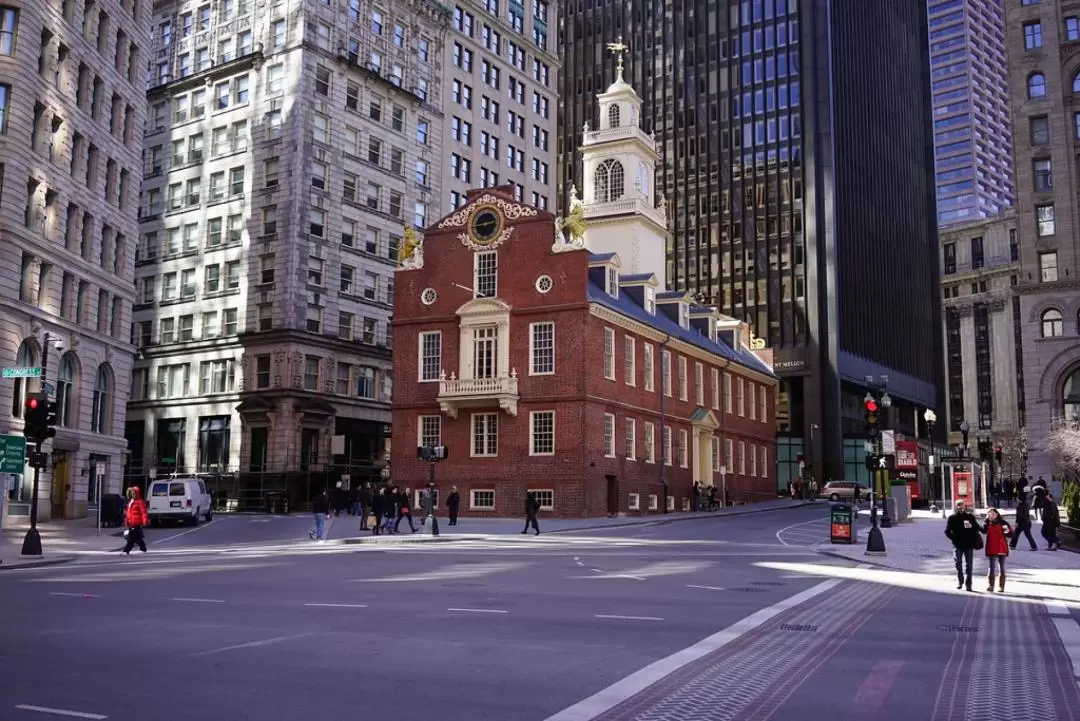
32 403
997 449
871 406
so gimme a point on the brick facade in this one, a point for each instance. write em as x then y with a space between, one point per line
585 479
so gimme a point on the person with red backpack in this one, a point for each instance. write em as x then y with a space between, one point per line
136 519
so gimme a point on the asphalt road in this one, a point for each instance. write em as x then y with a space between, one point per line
519 629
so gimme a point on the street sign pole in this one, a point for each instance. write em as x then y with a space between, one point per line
32 542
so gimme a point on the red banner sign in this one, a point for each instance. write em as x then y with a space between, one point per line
907 455
963 488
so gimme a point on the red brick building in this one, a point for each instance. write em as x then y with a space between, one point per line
563 367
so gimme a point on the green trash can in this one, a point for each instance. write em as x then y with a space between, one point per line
842 523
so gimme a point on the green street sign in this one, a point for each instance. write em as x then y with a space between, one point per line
12 454
22 372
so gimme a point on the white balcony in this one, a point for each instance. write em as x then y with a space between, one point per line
457 393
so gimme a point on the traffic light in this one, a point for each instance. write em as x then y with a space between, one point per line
997 453
871 416
52 419
35 415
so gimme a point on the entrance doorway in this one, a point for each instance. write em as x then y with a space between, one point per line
612 495
58 490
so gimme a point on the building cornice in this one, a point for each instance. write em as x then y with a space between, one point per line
259 339
687 349
1047 288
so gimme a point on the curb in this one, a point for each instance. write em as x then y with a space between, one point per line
702 515
380 541
867 561
37 564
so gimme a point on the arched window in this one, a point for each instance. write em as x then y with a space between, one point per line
1070 397
25 358
99 418
609 181
66 392
613 115
1052 326
1076 83
1036 85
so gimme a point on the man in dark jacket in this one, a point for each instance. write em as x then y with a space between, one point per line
453 504
1039 490
531 508
378 509
963 530
1023 525
363 501
1050 522
404 501
320 508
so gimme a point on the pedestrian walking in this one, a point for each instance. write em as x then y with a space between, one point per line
404 510
320 509
997 548
363 501
695 501
453 505
1051 521
963 530
1023 525
532 506
377 506
1039 490
136 518
712 498
389 509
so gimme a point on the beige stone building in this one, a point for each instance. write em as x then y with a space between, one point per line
500 81
288 146
980 266
72 109
1043 41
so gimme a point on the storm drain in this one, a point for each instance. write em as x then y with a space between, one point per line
802 627
959 629
750 590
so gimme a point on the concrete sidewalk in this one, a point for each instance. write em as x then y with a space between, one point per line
921 547
59 540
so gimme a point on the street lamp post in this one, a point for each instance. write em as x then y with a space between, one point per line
32 542
930 418
431 454
886 521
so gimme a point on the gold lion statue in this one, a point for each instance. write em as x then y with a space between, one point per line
409 245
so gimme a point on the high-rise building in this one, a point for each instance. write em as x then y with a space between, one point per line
1044 88
500 74
289 147
970 88
797 152
980 264
72 109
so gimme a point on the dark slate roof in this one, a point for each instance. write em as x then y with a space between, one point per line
636 277
601 257
670 294
626 306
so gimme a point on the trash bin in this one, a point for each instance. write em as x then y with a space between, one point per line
276 503
112 510
842 518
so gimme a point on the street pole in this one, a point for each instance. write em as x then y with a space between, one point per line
663 423
97 482
32 542
430 525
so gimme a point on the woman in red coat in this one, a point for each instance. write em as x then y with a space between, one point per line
997 547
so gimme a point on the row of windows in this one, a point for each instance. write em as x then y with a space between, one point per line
465 22
75 298
1052 324
214 324
67 385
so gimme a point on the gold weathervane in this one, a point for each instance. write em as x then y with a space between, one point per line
619 48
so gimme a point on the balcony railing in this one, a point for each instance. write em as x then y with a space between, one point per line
457 392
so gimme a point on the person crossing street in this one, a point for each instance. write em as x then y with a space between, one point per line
136 518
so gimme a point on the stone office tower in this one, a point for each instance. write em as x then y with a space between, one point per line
288 146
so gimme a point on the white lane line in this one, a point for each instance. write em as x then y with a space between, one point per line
819 521
335 605
1068 631
707 588
183 533
251 644
60 712
628 618
74 595
1056 607
610 697
198 600
477 610
596 570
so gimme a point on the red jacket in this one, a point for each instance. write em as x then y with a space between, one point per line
136 516
997 534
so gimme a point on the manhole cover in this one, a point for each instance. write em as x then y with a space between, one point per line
750 590
768 583
798 627
959 629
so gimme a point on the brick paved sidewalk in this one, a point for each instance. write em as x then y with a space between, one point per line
60 539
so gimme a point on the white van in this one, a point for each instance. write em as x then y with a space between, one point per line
179 499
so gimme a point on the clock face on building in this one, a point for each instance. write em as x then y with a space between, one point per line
486 226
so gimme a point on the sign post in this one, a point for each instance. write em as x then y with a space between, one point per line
12 454
723 486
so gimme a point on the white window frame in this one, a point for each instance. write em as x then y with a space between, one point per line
490 433
630 360
763 461
420 356
684 448
533 367
420 428
753 461
633 502
716 389
648 365
729 455
714 449
654 502
609 435
649 439
532 433
699 383
727 393
476 273
665 372
474 506
763 404
742 458
667 445
684 373
630 439
609 353
536 494
740 396
751 401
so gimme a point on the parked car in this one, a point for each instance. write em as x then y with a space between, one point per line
179 499
843 490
